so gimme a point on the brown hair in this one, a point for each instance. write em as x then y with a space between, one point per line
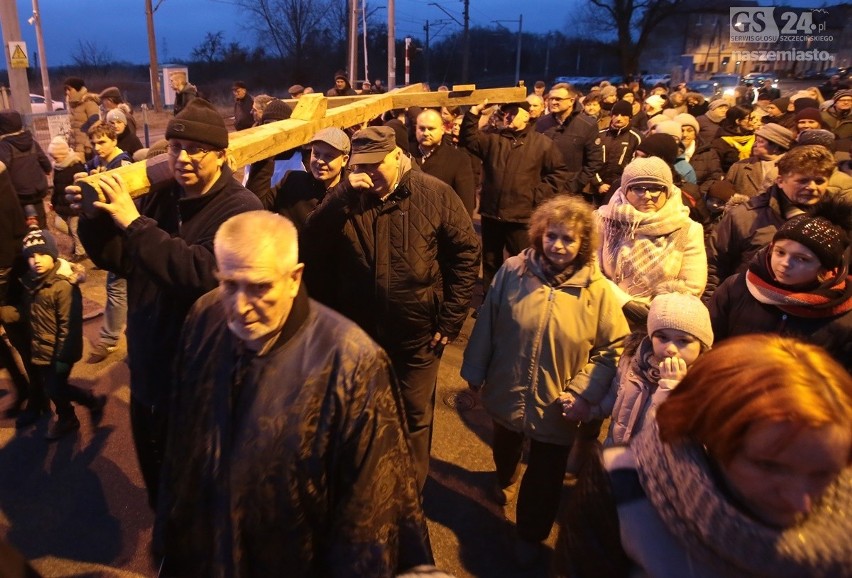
750 379
807 160
574 212
572 92
102 128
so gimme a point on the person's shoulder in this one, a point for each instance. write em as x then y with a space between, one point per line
545 122
344 335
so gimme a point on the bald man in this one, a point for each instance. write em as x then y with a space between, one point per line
438 157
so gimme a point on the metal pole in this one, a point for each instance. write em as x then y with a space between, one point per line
353 41
18 84
391 46
466 43
518 56
428 75
407 60
364 24
45 79
153 64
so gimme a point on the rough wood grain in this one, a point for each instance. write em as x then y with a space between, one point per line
312 112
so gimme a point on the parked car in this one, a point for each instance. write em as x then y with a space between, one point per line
841 71
39 103
655 79
756 79
724 84
810 74
703 87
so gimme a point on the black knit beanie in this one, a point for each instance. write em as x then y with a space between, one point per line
660 145
622 108
276 110
40 241
827 240
199 121
10 121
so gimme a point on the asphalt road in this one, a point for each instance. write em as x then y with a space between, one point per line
77 507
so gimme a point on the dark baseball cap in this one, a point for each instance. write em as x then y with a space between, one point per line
372 144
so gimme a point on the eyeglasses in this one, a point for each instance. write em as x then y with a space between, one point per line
653 192
192 151
559 98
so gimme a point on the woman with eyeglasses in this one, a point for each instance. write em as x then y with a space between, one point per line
649 245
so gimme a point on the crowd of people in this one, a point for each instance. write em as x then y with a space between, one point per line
676 266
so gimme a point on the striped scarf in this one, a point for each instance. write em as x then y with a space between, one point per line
831 298
643 252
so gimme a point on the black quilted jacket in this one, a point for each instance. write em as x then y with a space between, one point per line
402 268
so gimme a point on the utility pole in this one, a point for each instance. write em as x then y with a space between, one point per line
426 55
518 55
547 58
520 22
154 66
427 52
42 61
17 76
391 46
353 41
466 43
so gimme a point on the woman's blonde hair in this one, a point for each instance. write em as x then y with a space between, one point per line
575 213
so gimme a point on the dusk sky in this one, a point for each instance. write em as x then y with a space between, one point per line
119 25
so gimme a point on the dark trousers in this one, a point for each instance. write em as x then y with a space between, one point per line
61 393
417 373
497 236
541 486
41 214
149 425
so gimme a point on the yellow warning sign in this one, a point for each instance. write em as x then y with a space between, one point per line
18 55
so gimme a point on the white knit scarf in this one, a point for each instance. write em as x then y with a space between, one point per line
643 252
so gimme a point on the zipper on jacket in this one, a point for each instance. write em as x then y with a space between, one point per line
535 354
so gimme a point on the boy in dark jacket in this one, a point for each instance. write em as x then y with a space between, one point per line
54 313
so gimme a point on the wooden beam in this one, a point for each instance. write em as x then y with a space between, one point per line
312 113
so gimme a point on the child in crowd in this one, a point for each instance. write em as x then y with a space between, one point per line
799 285
54 313
550 329
654 362
66 164
107 154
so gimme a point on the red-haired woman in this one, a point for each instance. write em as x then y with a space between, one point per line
745 473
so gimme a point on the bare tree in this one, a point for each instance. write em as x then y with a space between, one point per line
623 17
211 48
91 55
287 26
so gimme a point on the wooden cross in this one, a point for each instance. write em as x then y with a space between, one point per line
312 113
